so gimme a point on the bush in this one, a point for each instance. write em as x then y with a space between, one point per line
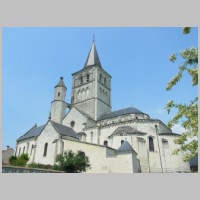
19 161
72 162
40 166
12 160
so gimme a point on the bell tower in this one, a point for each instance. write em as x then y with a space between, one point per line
91 88
58 105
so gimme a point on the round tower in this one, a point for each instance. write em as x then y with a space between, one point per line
58 105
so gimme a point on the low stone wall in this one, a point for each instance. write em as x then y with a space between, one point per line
13 169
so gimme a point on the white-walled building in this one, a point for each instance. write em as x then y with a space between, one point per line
123 141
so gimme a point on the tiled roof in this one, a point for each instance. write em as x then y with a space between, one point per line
125 147
93 58
64 130
81 133
174 134
126 130
33 132
61 83
60 129
125 111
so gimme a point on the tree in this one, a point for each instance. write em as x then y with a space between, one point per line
72 162
187 114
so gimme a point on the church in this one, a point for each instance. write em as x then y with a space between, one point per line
123 141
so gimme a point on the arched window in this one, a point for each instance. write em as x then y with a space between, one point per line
100 78
58 94
105 143
81 80
72 123
88 77
24 150
19 151
105 81
122 141
45 149
151 144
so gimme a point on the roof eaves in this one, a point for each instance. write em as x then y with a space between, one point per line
27 132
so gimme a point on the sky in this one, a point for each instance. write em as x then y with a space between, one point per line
137 59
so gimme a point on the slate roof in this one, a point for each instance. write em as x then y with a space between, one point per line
81 133
125 147
64 130
61 83
33 132
173 134
61 130
130 110
93 58
126 130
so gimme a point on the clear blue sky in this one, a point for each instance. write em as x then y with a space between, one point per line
136 58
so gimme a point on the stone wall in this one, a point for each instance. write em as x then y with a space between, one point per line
12 169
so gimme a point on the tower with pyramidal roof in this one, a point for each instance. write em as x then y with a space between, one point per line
91 89
121 141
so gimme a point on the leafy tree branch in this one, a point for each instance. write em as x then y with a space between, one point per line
187 114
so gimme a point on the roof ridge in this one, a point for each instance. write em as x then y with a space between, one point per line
61 83
28 131
93 58
125 147
83 113
35 126
124 111
54 124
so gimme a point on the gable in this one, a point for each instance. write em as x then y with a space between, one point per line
32 133
75 119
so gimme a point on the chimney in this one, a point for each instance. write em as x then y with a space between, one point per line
8 147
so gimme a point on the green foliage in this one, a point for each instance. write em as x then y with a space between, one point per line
72 162
19 161
40 166
12 160
186 30
190 57
187 114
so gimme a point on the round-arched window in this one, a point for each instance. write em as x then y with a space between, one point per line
105 143
88 77
72 123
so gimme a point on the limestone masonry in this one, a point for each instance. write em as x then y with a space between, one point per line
123 141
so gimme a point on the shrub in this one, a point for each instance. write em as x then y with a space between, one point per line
19 161
40 166
12 160
72 162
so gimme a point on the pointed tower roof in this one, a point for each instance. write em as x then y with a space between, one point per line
93 58
125 147
61 83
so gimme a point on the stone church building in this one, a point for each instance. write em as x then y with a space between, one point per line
122 141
